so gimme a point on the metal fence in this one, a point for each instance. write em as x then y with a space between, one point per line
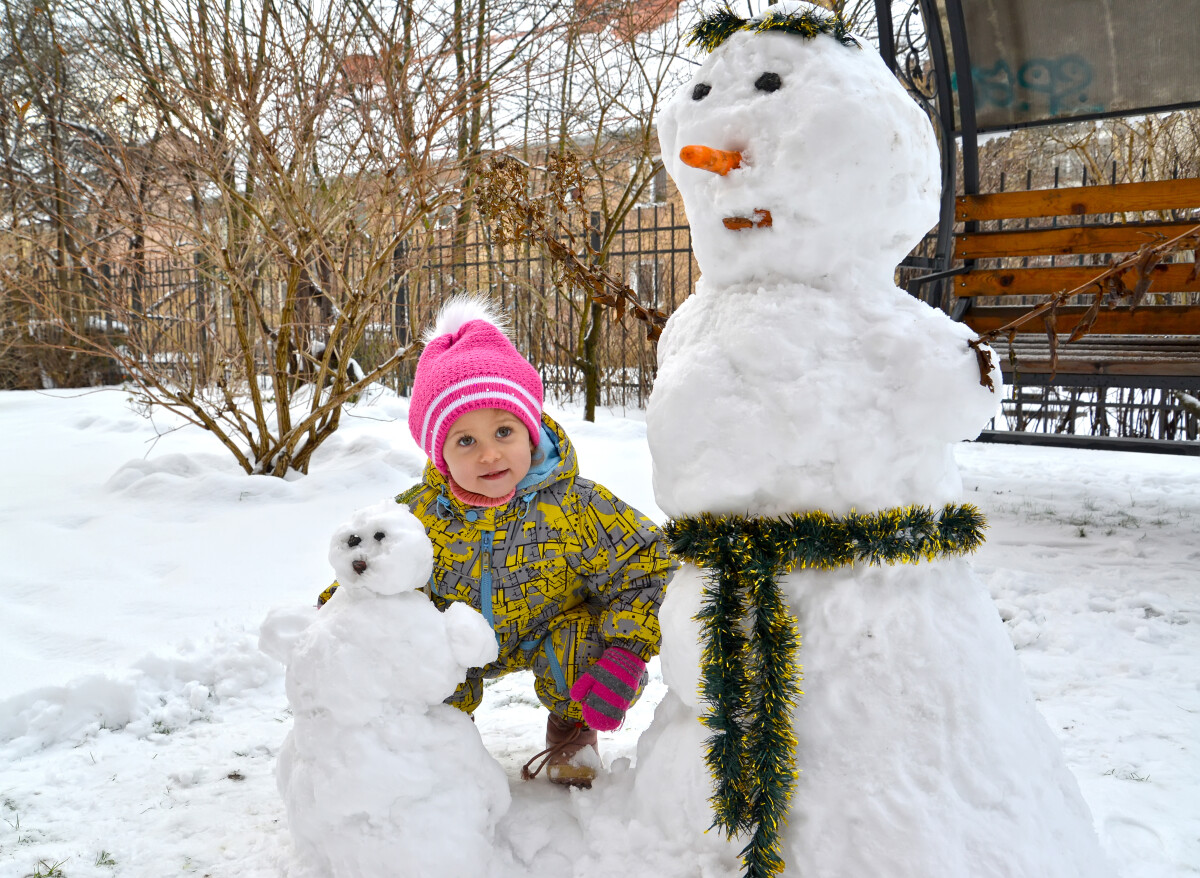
184 310
175 312
651 252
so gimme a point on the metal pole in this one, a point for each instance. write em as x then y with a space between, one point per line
966 116
944 252
887 39
966 96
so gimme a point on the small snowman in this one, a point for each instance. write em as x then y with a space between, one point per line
379 777
799 379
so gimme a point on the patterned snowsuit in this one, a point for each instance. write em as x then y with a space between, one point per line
561 572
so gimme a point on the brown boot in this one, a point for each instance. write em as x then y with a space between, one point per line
571 756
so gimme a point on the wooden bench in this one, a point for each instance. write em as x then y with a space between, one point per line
1019 249
1043 405
1101 360
1040 229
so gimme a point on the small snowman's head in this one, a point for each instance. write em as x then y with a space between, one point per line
382 548
797 152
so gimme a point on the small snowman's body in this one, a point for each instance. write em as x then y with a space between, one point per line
799 378
378 775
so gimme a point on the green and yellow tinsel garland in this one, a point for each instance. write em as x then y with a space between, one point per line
749 676
715 28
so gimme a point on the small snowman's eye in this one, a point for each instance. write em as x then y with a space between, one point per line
353 540
700 92
379 535
768 82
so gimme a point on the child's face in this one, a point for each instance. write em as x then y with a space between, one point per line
488 452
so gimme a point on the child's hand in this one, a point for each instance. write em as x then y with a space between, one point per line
608 688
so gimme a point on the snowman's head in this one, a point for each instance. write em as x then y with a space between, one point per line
383 549
798 156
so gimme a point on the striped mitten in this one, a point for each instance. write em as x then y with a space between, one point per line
608 688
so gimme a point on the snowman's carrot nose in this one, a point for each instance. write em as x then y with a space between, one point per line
719 161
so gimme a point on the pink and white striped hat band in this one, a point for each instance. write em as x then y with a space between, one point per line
469 364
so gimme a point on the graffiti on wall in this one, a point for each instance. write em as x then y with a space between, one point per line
1053 87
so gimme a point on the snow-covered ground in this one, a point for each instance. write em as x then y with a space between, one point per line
139 722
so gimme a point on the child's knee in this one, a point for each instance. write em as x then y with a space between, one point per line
568 649
577 643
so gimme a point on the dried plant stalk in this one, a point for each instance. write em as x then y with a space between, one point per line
505 204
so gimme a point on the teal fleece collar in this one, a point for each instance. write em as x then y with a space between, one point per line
548 449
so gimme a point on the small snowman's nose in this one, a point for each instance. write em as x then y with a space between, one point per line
719 161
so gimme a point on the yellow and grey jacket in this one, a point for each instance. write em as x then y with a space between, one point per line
562 542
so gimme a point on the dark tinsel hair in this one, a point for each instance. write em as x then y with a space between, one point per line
717 27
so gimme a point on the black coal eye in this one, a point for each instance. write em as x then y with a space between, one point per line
700 92
768 82
379 535
353 540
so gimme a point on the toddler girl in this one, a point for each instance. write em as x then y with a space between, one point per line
569 577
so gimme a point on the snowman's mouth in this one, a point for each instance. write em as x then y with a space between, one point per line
760 219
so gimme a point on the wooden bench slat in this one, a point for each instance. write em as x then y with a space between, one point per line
1066 240
1147 320
1171 278
1080 353
1068 365
1127 366
1138 355
1080 200
1121 345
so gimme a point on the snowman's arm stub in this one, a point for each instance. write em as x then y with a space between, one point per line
626 564
941 365
471 639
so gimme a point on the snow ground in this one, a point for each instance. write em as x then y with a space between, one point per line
139 721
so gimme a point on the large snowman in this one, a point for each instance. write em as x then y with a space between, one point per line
799 378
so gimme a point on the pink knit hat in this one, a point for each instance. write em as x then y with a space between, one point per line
469 363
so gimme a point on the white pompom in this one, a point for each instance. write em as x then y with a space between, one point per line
462 309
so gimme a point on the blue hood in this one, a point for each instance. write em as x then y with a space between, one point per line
548 449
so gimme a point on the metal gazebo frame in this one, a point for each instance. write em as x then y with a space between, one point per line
948 94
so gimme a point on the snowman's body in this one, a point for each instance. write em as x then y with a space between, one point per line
752 412
797 378
378 775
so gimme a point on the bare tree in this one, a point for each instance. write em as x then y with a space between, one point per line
1131 148
590 105
623 74
260 165
48 181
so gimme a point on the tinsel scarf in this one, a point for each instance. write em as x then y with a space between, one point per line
749 675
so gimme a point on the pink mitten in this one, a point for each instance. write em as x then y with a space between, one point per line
608 688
